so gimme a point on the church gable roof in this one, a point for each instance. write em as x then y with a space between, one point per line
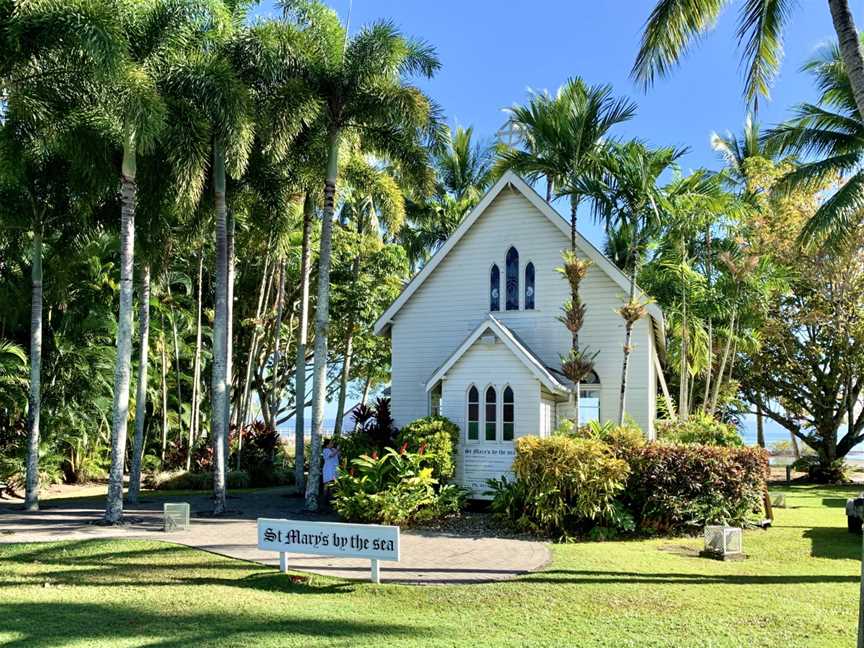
511 179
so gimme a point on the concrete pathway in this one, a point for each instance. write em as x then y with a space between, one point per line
427 557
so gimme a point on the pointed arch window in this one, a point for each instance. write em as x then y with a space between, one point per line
512 279
491 419
529 287
509 415
473 414
494 289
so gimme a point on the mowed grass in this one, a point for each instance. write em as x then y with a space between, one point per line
798 587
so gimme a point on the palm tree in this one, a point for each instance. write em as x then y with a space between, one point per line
563 137
829 132
360 84
627 196
41 80
564 140
464 170
674 25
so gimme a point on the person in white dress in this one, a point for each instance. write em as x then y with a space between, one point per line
331 465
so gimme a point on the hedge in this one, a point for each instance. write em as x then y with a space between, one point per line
679 488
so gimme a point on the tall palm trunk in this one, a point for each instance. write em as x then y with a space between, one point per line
683 406
850 50
715 394
220 323
263 294
710 361
164 358
349 352
574 300
122 369
176 340
229 335
277 340
628 342
195 422
31 497
300 369
141 386
322 323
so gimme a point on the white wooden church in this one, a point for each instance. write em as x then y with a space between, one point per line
476 336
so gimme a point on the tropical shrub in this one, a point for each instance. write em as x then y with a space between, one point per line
374 431
394 488
680 488
437 437
570 485
623 439
700 428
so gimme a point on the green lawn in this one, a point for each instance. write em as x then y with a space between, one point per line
799 587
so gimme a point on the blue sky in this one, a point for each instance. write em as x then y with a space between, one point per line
492 52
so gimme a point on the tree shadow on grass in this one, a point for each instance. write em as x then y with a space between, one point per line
49 624
834 542
578 577
98 563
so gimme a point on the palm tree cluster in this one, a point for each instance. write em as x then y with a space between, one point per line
132 129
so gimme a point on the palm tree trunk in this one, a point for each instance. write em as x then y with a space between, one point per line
683 408
220 322
322 324
141 386
177 374
229 336
263 295
710 362
164 358
853 57
122 369
196 371
31 497
574 299
349 351
715 395
277 339
300 369
628 342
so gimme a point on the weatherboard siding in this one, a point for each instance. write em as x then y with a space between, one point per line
454 299
486 364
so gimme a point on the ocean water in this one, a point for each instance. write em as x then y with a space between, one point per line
775 433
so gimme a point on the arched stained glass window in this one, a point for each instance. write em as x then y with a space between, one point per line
512 279
495 289
491 420
509 415
529 287
473 414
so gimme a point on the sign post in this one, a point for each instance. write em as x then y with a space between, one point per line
373 541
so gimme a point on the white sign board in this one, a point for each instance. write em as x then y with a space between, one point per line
373 541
